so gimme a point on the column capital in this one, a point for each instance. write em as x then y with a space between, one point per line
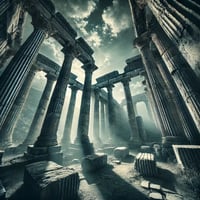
68 49
51 76
74 87
125 81
142 41
109 87
89 67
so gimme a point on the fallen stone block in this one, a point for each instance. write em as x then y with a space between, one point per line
145 164
155 186
47 180
121 152
155 196
145 149
145 184
94 162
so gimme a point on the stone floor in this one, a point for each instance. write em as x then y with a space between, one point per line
117 181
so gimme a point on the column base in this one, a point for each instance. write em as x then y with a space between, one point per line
134 142
52 153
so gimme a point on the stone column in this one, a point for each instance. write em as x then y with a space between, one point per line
83 122
16 72
172 133
134 137
38 119
4 5
66 140
111 112
13 116
103 124
47 144
96 118
181 113
182 74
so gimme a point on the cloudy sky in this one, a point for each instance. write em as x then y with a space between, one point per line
106 26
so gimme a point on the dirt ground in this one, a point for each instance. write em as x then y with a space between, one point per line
116 181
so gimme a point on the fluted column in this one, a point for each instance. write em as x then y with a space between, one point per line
48 134
12 118
182 74
83 122
111 112
179 19
96 117
16 72
66 140
38 119
134 137
4 5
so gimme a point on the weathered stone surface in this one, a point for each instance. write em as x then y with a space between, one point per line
47 180
121 152
94 162
145 164
155 195
187 156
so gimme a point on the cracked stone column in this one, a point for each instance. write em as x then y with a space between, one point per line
134 137
83 122
181 72
96 127
46 143
181 112
66 139
17 70
13 116
38 119
172 133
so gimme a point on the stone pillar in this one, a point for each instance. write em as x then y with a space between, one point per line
4 5
134 137
47 144
179 19
14 75
66 140
12 118
83 122
183 76
103 123
96 118
38 119
111 113
181 113
172 133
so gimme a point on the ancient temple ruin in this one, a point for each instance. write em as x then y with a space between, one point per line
106 149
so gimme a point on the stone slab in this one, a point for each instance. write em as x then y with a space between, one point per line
155 186
155 196
145 149
94 162
121 152
47 180
145 184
